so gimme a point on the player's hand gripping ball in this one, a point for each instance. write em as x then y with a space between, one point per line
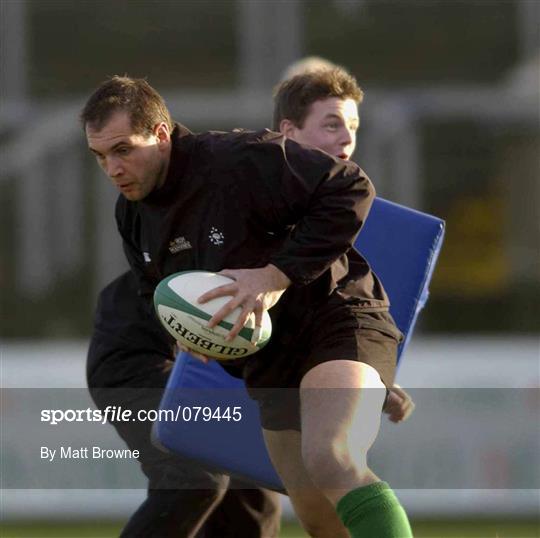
175 301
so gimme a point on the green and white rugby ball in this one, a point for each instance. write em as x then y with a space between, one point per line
175 301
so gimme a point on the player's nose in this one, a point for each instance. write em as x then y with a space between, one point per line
113 168
347 137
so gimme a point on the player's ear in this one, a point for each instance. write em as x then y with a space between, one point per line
161 130
287 128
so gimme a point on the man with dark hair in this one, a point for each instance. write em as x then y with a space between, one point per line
288 214
130 357
295 96
145 104
318 105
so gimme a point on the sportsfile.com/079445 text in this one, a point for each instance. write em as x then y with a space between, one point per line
113 413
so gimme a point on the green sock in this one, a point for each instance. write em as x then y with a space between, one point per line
373 512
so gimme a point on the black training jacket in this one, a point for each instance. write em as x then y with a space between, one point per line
246 199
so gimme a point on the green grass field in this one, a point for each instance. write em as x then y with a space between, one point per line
422 529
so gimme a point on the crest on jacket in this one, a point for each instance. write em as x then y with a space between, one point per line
215 236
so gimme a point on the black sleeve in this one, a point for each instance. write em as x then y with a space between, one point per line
124 328
324 201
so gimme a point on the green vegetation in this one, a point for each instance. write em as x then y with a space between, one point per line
422 529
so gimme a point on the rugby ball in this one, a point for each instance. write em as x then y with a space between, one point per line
175 301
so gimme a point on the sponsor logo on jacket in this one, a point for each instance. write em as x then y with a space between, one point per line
179 244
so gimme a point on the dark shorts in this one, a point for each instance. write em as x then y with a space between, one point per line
335 332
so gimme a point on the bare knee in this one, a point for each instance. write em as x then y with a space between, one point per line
331 464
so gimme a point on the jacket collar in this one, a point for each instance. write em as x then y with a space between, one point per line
182 140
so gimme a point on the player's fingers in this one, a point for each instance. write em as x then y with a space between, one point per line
393 401
409 408
224 311
394 408
198 356
220 291
258 311
400 392
231 273
399 414
403 411
401 403
247 308
181 347
406 401
201 358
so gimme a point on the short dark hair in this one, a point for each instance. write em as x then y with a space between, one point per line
293 97
144 104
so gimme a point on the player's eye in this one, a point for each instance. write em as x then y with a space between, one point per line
123 150
333 126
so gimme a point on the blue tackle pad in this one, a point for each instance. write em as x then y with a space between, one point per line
401 245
